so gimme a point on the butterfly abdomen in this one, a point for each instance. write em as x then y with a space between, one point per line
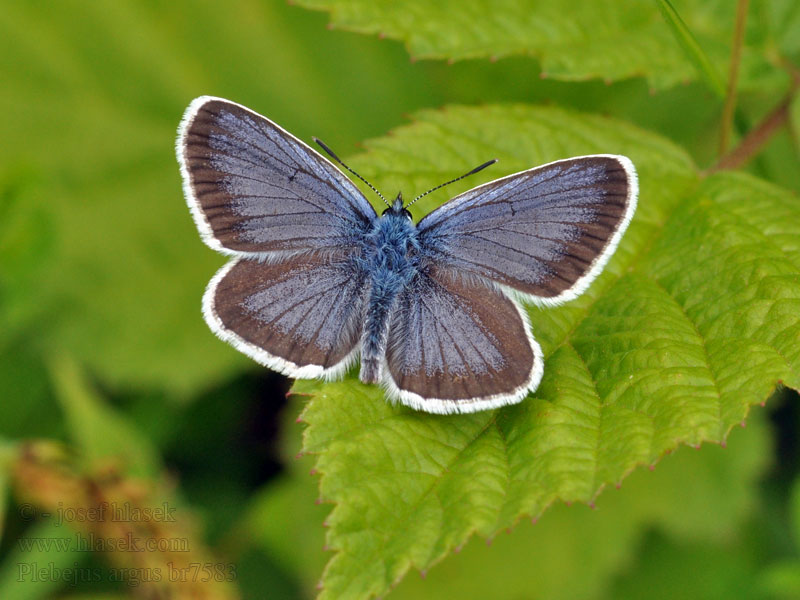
382 299
391 259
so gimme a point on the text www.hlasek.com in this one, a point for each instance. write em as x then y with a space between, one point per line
92 543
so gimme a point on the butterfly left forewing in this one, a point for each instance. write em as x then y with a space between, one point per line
253 188
546 232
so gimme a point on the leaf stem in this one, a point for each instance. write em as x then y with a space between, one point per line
690 46
755 140
733 77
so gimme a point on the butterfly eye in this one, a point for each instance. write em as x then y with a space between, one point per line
385 211
407 213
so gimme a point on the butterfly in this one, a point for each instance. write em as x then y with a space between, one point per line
317 279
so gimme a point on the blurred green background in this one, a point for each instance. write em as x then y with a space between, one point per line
103 348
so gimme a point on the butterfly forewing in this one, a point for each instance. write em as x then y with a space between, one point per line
301 316
546 232
254 188
458 345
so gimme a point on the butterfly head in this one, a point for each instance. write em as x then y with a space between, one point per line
397 208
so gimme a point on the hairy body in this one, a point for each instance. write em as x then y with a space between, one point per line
392 258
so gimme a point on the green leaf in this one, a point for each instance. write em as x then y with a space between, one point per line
779 22
781 579
33 569
794 510
698 496
794 120
29 409
666 569
7 452
696 318
98 429
572 41
25 246
573 552
290 502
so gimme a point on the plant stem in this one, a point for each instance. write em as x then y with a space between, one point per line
753 141
690 46
733 77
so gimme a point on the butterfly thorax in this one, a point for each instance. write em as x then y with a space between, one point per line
391 259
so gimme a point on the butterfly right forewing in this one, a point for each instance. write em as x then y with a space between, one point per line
546 232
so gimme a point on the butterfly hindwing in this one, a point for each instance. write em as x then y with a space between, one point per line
458 345
254 188
545 232
301 316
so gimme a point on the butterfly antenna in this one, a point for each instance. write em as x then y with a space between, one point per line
341 162
475 170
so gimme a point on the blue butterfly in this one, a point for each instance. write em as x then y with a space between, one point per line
318 279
